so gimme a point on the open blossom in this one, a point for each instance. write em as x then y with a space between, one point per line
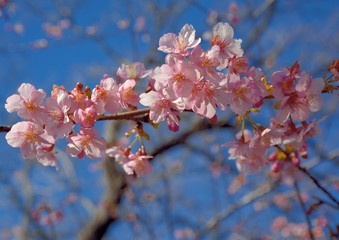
105 96
85 117
175 78
120 155
33 141
133 71
248 156
303 100
206 60
128 98
179 44
229 47
28 103
238 65
161 107
138 164
132 163
86 143
58 123
204 99
242 93
79 98
283 81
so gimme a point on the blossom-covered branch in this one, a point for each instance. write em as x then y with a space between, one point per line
191 79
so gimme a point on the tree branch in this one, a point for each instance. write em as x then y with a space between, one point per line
317 183
214 222
303 207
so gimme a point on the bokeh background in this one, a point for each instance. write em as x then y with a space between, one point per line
194 192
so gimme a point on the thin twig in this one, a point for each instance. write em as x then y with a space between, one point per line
316 182
243 202
303 207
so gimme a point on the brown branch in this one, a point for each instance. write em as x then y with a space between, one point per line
317 183
130 115
201 125
303 207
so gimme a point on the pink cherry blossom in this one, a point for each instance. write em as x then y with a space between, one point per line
105 96
85 117
86 143
206 60
58 124
249 157
33 141
162 107
133 71
283 81
128 98
176 79
45 156
56 90
138 164
204 99
28 103
303 100
242 93
228 46
238 65
179 44
120 155
80 98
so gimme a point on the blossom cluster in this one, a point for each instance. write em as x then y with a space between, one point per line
55 117
191 79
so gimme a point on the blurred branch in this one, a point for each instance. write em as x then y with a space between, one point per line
303 207
201 125
317 183
268 9
214 222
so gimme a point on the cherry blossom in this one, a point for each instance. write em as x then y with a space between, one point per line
80 98
85 117
161 107
179 44
176 78
238 65
205 97
120 155
33 141
133 71
249 157
59 123
86 143
28 103
138 164
303 100
128 98
228 46
243 93
105 96
206 60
